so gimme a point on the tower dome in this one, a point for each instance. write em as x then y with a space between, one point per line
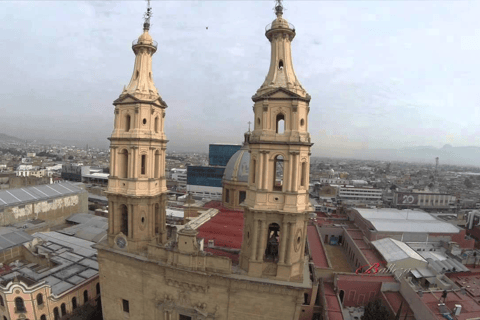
235 177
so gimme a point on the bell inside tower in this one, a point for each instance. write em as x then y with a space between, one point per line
271 252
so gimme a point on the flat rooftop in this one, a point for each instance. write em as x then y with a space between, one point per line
411 221
72 262
15 197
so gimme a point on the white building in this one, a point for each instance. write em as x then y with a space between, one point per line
368 195
27 170
179 175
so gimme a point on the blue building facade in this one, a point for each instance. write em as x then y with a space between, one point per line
219 154
205 176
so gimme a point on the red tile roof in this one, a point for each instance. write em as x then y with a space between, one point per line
225 229
333 307
316 248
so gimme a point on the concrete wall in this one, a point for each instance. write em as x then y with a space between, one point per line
354 254
414 301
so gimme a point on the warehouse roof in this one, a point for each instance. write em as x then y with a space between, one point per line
14 197
394 220
393 250
11 238
73 261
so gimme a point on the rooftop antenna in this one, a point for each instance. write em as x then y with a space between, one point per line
147 16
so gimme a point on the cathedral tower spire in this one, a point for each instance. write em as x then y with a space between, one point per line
277 204
280 33
137 186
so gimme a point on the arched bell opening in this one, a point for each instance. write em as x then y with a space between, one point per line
271 252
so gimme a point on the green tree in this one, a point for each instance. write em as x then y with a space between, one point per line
375 310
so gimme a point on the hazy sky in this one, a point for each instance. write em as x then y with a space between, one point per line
382 74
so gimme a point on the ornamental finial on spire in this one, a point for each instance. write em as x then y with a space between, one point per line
147 16
278 7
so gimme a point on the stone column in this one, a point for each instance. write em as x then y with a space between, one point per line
260 173
290 172
151 163
265 171
151 220
290 242
130 221
111 218
261 245
253 252
130 163
134 162
283 242
295 172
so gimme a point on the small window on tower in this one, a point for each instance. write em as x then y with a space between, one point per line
144 162
280 123
126 306
127 123
280 65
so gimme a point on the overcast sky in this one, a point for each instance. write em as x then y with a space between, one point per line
382 74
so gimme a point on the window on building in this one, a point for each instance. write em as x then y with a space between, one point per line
39 299
85 296
2 303
271 252
126 306
184 317
127 123
227 195
63 307
242 195
143 164
43 317
278 173
280 128
74 303
97 288
19 305
124 219
156 124
56 314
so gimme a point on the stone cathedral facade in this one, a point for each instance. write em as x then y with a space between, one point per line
146 275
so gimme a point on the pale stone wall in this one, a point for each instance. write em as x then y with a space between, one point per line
35 311
53 211
152 288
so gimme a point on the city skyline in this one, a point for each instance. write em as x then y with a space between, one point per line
381 75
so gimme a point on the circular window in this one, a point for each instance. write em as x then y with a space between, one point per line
298 243
302 122
144 121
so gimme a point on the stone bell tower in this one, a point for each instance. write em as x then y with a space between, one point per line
137 186
277 203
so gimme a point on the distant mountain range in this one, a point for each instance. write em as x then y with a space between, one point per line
465 156
7 138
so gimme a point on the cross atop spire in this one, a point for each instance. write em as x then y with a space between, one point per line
278 7
147 16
